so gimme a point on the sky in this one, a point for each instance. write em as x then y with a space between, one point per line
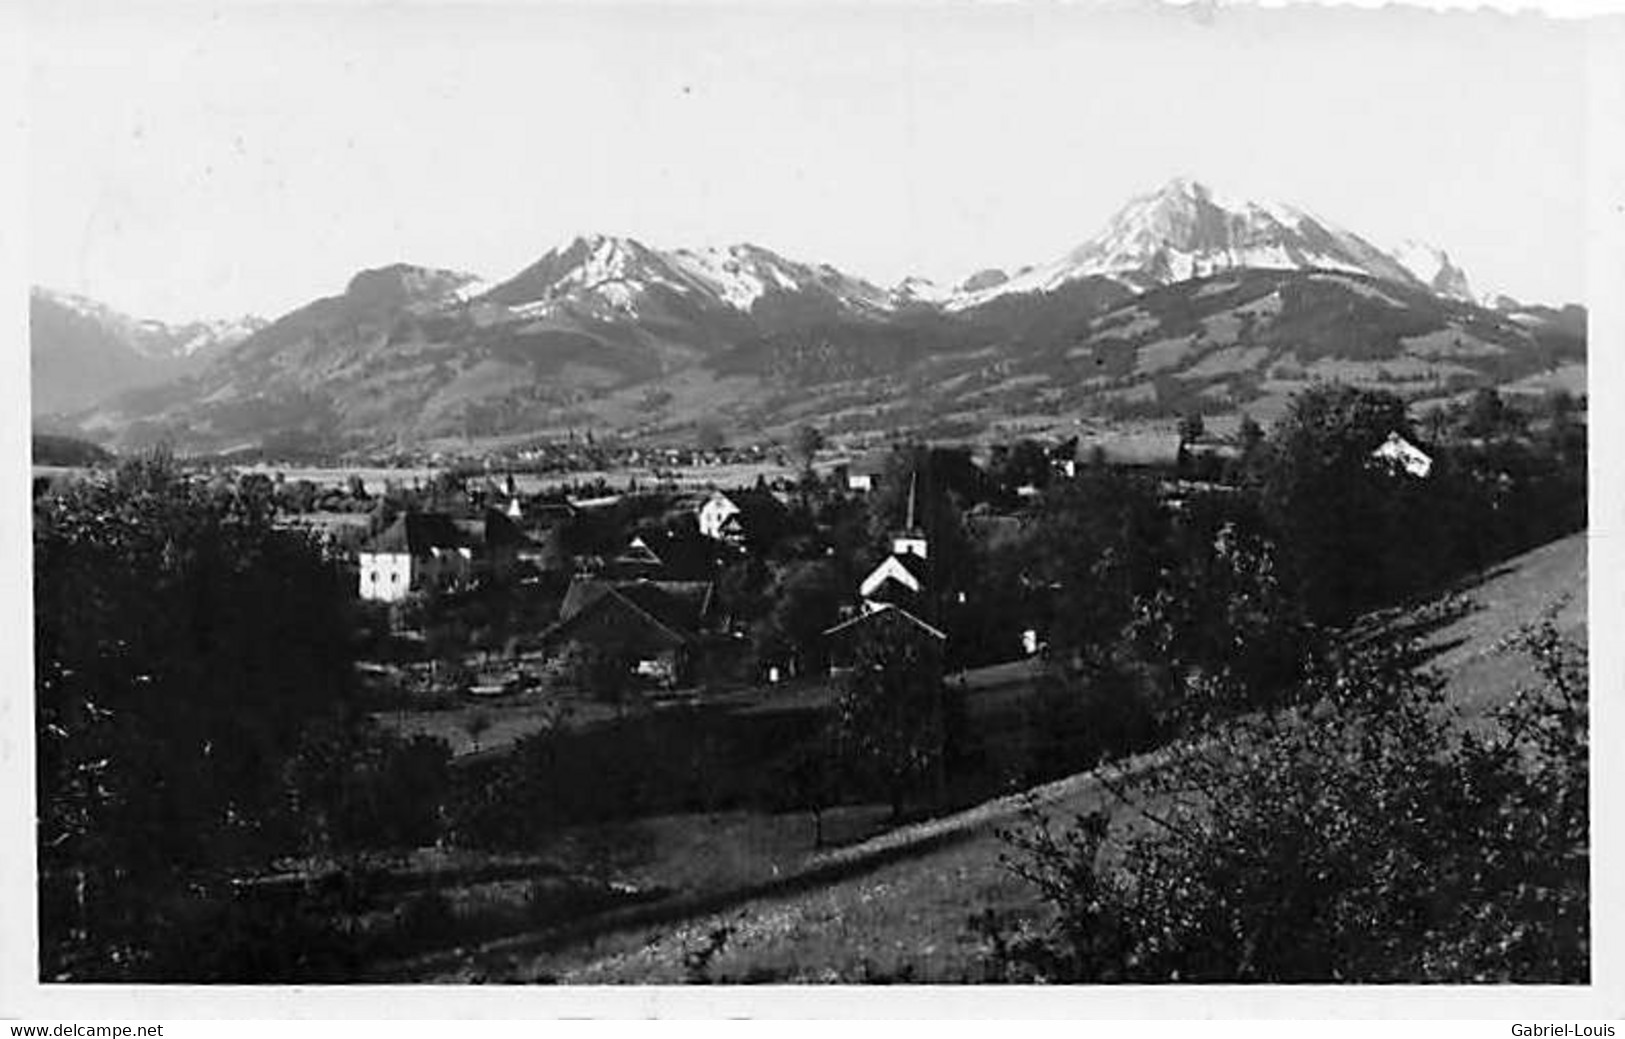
206 160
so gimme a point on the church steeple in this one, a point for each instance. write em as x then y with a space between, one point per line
911 539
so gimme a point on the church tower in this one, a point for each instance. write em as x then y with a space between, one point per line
911 541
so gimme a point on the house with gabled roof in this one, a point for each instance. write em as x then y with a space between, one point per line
864 472
667 555
885 621
658 625
433 550
419 550
741 517
896 597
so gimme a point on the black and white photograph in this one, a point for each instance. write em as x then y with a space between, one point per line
682 494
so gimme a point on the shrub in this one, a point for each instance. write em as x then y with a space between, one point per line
1358 834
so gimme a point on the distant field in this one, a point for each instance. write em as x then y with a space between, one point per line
905 918
374 479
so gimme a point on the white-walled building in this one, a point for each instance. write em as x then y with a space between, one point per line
1401 453
738 516
418 550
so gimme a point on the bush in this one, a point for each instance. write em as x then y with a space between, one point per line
1356 835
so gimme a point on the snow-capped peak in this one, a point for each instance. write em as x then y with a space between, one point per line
1185 229
914 289
1432 266
741 274
604 274
613 276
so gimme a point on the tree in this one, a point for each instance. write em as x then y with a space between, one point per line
1023 464
806 780
806 603
805 443
183 646
1340 518
743 591
1191 427
1250 435
1098 544
890 719
1487 414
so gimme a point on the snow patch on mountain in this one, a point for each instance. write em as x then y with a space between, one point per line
608 275
914 290
150 337
1432 266
1186 230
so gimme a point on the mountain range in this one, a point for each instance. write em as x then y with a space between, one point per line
1186 299
83 351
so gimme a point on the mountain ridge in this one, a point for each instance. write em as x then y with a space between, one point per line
608 330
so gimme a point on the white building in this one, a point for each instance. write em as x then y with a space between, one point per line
418 550
737 516
1401 453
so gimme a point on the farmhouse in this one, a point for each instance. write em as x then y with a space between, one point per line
656 625
740 517
885 622
664 555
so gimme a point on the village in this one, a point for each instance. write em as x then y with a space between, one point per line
490 609
561 707
657 580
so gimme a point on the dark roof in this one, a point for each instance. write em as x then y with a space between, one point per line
761 514
685 604
672 557
551 512
583 592
493 530
755 501
921 568
885 614
872 462
681 612
676 614
417 533
500 530
639 552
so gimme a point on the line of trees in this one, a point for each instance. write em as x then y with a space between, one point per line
196 717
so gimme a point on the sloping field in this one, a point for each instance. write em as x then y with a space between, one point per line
897 908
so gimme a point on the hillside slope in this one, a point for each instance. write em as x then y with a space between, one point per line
906 918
